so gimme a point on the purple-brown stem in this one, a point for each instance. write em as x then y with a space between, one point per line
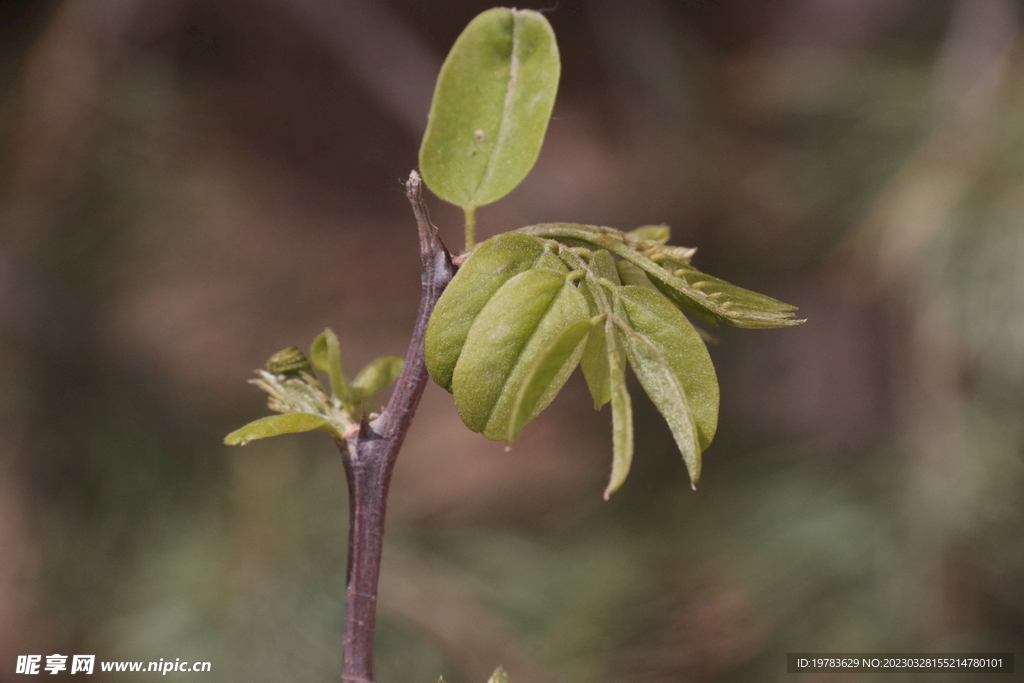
370 456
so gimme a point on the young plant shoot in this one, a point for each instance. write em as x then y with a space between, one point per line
505 329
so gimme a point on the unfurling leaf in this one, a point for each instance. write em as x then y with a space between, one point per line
381 372
512 331
650 233
668 269
554 364
711 298
491 107
289 361
326 355
489 267
603 265
275 425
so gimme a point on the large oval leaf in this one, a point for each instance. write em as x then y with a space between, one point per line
489 267
491 107
654 317
508 336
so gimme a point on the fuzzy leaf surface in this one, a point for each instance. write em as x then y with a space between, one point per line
594 361
595 358
684 285
678 341
492 264
512 331
622 412
491 107
555 363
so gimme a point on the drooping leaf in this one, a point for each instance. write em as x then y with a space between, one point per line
550 366
673 366
491 107
381 372
594 361
622 412
490 266
679 342
666 392
274 425
514 328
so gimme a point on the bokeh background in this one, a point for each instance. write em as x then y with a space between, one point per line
190 185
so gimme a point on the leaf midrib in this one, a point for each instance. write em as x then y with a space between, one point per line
519 356
503 126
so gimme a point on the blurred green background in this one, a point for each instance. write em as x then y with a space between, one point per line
187 186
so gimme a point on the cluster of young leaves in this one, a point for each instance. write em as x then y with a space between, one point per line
526 307
303 404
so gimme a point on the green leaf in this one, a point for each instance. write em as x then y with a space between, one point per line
318 352
556 362
491 107
274 425
603 265
549 259
326 354
489 267
594 361
666 392
675 337
372 379
684 285
721 299
515 327
499 676
622 413
674 367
